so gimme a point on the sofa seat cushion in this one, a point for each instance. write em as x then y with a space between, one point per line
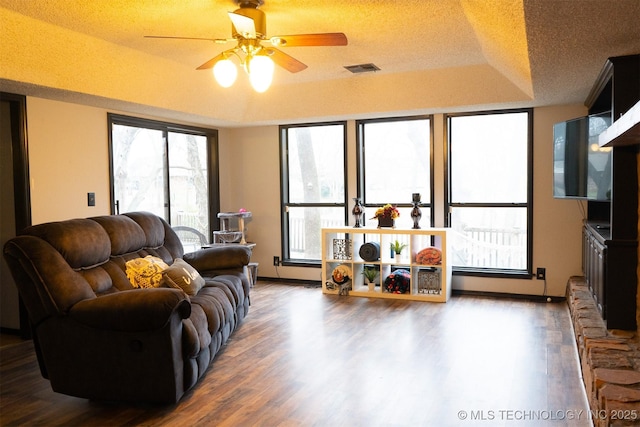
202 337
233 284
217 307
190 340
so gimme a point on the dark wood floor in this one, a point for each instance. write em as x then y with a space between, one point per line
302 358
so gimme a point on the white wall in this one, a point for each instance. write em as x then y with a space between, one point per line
68 155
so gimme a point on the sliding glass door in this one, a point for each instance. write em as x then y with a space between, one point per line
165 169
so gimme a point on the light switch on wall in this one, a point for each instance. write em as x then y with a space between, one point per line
91 199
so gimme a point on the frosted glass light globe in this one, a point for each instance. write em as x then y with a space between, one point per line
261 72
225 72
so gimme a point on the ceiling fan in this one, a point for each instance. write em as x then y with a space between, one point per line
249 31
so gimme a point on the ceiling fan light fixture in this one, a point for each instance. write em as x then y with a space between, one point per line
225 72
248 30
260 69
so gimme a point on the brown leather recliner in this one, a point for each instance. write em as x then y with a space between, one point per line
98 337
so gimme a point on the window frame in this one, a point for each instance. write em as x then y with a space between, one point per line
285 258
361 167
448 204
166 128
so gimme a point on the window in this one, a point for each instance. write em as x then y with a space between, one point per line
313 171
165 169
490 191
395 161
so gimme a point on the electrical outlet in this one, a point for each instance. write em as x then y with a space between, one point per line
276 261
541 273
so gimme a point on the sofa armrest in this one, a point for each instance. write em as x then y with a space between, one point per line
219 258
134 310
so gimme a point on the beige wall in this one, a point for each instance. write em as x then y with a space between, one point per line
68 158
68 154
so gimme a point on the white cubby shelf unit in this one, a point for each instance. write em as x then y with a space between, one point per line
428 282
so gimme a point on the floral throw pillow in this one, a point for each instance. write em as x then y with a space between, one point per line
145 272
398 282
183 276
429 256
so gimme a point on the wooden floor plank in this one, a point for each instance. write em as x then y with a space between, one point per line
302 358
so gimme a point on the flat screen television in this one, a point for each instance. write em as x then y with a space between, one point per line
581 168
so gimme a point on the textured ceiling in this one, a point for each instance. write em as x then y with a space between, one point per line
434 55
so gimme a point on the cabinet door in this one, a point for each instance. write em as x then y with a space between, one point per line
598 275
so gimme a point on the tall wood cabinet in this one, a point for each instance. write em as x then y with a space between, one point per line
610 235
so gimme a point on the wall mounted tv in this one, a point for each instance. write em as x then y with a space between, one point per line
581 168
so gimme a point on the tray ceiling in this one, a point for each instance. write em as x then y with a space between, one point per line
433 55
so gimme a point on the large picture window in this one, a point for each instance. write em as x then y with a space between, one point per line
313 168
394 162
165 169
490 191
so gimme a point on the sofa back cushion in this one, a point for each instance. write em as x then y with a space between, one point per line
82 242
134 236
125 235
151 225
61 263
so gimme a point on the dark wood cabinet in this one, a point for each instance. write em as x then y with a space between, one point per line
593 255
610 237
609 268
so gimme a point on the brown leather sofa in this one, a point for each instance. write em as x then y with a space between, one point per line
97 336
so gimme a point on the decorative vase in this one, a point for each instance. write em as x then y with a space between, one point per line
416 213
386 221
372 286
357 211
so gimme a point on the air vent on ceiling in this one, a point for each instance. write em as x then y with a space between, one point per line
362 68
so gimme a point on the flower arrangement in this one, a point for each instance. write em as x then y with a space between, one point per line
387 211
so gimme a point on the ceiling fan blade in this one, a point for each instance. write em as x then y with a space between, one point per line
287 62
210 63
190 38
321 39
243 25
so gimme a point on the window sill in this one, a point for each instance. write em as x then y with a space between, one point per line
497 273
301 263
